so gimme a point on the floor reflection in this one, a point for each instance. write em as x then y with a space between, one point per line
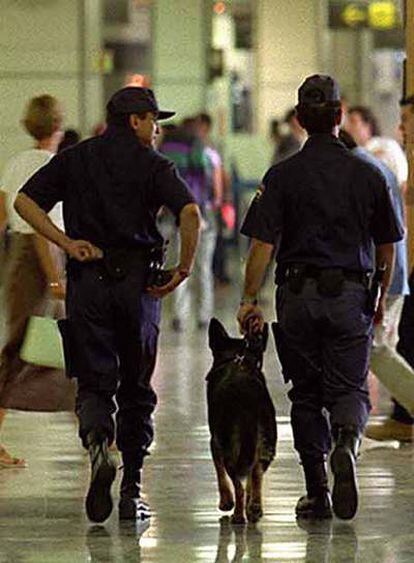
328 541
42 516
236 541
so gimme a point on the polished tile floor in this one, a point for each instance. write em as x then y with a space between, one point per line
42 518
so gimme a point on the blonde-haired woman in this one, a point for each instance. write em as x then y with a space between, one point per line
34 277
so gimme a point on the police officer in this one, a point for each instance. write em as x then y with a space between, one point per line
325 211
112 188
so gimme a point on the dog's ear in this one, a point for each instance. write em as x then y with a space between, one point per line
265 335
217 334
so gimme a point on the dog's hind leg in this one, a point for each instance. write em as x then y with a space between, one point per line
254 507
226 495
239 511
249 488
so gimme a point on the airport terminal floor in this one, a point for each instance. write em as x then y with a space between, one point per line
42 516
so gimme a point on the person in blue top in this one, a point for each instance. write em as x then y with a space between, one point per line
384 357
112 188
329 216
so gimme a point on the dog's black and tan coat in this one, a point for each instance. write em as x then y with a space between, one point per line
242 420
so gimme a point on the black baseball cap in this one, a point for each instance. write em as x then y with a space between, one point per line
319 90
407 101
134 99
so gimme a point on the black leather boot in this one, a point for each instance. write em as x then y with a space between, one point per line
131 506
103 471
317 503
343 458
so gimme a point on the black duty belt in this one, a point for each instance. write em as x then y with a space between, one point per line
118 262
314 272
330 280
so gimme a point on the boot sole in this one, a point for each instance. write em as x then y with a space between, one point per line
128 509
345 490
99 501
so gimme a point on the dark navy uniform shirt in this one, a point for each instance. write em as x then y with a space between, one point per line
112 188
324 207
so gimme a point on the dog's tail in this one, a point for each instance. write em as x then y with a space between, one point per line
239 442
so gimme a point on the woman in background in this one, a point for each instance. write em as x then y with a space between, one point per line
34 277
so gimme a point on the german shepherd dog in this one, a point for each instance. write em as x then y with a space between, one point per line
242 420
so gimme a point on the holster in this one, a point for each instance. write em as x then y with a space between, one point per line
375 288
157 275
295 277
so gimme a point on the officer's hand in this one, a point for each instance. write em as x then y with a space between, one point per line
178 276
83 251
250 318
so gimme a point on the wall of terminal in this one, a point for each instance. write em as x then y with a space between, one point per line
48 46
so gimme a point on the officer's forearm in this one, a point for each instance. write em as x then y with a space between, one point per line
46 259
190 222
257 261
384 256
39 220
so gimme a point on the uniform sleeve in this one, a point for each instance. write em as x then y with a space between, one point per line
385 226
46 186
170 189
264 219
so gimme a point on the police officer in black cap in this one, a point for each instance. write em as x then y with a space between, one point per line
331 220
112 188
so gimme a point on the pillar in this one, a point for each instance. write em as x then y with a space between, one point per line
288 50
181 39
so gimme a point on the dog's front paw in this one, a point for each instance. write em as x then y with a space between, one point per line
254 512
226 502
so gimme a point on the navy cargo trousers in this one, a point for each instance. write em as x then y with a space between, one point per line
110 340
324 345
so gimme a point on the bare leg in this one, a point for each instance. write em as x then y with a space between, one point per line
239 511
6 460
226 495
254 507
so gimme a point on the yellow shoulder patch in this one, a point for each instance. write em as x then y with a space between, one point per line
259 192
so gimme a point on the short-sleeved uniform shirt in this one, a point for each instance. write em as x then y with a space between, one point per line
112 188
324 207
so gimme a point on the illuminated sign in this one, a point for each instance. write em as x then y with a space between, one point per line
354 15
379 15
383 15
